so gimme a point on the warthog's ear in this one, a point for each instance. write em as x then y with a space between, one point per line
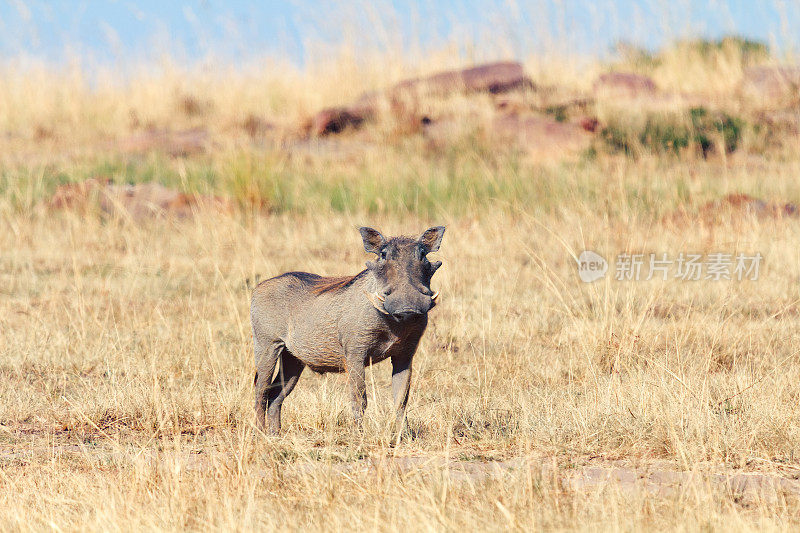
431 239
373 240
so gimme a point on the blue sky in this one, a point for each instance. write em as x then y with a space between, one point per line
299 30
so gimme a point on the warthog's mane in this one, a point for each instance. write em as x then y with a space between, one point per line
334 284
323 285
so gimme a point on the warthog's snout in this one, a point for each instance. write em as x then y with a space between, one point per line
406 307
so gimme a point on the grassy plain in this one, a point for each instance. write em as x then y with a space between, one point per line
125 351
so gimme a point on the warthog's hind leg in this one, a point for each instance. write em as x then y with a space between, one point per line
288 374
266 359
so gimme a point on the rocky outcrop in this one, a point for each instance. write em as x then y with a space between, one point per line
493 78
767 84
624 84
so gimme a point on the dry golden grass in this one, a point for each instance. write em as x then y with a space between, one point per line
125 351
127 377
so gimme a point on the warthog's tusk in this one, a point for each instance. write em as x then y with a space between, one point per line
379 297
376 302
435 295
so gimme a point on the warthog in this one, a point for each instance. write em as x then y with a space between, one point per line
343 324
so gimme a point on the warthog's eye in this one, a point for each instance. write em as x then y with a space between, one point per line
420 253
382 254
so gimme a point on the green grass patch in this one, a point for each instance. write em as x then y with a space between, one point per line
697 130
460 181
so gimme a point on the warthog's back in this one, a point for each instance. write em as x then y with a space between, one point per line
304 311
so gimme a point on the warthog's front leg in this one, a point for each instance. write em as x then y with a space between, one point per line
358 386
401 384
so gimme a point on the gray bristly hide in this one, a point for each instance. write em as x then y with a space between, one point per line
344 324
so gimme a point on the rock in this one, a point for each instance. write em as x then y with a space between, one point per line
734 207
589 123
494 78
624 84
140 201
541 136
748 205
534 134
337 119
766 83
